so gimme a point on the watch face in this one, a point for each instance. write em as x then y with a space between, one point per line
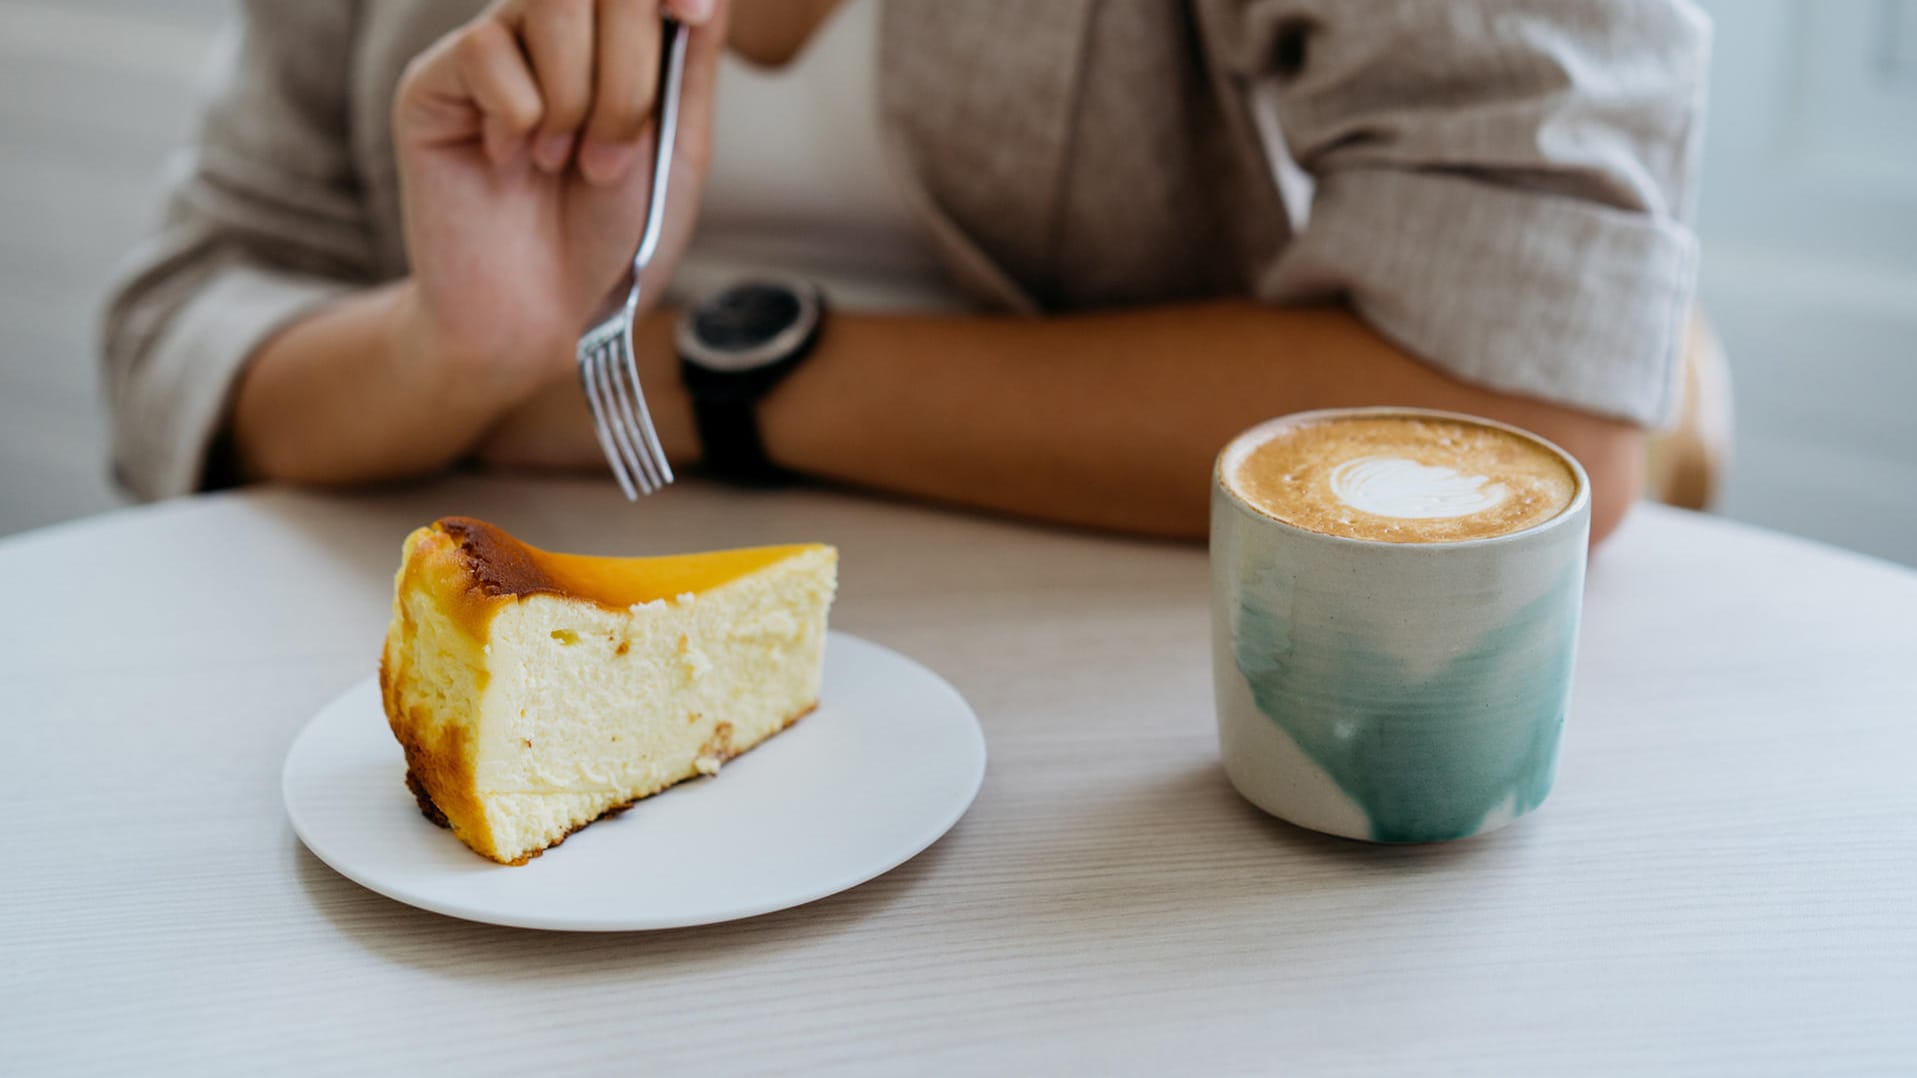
749 325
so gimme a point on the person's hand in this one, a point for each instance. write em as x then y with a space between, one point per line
525 142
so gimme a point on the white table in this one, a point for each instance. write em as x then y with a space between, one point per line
1725 878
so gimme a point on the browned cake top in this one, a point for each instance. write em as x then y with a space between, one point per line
475 567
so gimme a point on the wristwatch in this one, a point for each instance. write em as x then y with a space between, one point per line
733 349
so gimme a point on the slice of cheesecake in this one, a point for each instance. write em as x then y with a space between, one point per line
535 692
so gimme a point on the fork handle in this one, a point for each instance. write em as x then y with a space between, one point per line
672 78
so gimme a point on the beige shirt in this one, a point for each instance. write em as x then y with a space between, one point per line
800 182
1500 186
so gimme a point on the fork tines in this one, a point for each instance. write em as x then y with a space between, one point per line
624 425
606 363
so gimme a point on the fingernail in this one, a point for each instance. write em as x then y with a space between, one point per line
693 11
606 162
551 151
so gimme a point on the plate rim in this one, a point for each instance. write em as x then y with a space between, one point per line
303 831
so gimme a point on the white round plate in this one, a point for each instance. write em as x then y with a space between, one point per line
888 763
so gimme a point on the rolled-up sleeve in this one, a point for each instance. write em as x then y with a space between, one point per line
1500 186
262 224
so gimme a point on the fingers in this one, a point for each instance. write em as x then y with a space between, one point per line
471 86
703 49
631 50
625 88
493 73
558 35
561 77
489 71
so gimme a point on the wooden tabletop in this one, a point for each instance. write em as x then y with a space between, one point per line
1725 878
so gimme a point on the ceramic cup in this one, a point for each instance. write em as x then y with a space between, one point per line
1392 692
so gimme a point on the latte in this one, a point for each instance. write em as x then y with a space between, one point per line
1400 477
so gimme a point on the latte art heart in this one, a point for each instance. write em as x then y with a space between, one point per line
1391 487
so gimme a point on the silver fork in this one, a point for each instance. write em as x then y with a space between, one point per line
607 367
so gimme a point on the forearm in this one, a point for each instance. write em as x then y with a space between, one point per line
360 391
1112 420
1107 420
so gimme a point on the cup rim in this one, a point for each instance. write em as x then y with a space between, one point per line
1243 442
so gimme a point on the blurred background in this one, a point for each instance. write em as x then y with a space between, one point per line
1808 216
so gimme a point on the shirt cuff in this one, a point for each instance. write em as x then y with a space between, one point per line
186 385
1519 291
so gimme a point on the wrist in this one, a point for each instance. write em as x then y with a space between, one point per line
463 378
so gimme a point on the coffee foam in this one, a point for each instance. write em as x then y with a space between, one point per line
1391 487
1402 477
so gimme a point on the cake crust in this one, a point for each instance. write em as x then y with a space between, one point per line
487 567
439 770
497 563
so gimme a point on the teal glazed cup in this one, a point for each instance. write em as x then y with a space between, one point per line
1392 692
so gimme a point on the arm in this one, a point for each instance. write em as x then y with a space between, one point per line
365 389
1091 420
255 313
1110 420
1499 198
1106 420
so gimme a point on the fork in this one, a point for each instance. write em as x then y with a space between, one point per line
607 367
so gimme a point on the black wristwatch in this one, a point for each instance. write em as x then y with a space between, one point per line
733 349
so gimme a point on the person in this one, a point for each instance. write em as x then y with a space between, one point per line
1095 239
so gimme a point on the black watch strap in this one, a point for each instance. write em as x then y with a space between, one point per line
730 443
725 406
